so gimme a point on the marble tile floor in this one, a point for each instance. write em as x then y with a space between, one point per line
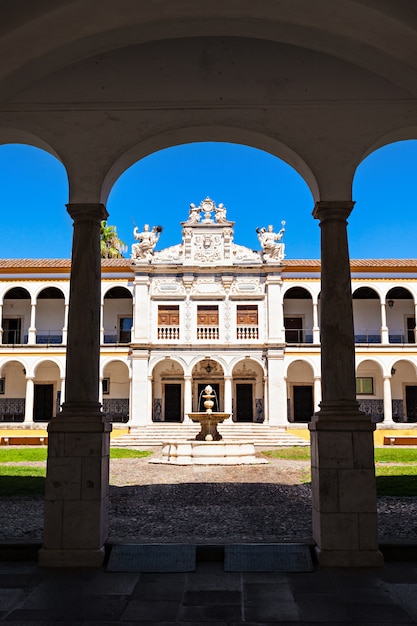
31 596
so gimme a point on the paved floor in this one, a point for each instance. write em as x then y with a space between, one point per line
30 596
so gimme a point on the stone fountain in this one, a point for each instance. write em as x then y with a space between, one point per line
209 447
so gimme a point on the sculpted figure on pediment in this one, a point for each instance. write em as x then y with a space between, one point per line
273 250
147 240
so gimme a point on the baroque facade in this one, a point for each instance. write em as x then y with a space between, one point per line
207 311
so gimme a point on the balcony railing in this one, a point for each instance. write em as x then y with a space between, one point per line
12 337
298 335
247 333
207 333
49 336
168 333
367 335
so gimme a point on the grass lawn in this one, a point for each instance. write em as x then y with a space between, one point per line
382 455
29 453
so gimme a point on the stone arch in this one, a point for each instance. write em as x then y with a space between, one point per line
12 401
16 315
208 370
117 314
215 133
366 303
19 136
370 387
47 380
392 136
404 390
248 391
300 390
115 390
50 315
168 390
298 315
400 313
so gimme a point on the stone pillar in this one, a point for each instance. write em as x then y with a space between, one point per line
342 449
140 389
29 397
276 331
149 408
277 389
188 398
415 317
317 393
102 323
384 328
65 327
316 329
1 323
228 381
388 421
32 327
77 481
62 390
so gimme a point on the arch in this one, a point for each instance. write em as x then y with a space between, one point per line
117 292
155 361
23 137
17 293
393 136
382 366
50 293
297 293
399 293
106 361
181 136
304 360
365 293
300 390
7 360
39 362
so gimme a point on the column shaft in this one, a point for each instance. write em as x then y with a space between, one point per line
30 389
388 421
77 479
342 459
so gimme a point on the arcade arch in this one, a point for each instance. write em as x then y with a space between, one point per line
300 391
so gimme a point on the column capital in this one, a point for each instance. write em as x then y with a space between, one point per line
334 210
87 211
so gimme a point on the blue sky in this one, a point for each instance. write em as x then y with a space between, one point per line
257 189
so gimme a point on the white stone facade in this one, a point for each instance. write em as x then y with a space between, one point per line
207 311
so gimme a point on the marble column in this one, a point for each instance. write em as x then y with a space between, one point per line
316 329
65 327
32 327
342 453
29 398
388 421
228 382
384 327
317 393
188 398
277 388
77 481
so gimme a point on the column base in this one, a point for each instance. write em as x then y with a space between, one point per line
71 558
349 558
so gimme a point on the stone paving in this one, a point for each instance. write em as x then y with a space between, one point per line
30 596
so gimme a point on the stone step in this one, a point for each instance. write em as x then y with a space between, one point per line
258 434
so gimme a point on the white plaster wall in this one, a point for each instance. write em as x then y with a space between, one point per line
50 316
369 369
15 386
119 380
396 315
113 309
367 316
304 308
18 308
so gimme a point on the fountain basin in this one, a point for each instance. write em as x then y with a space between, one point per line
209 422
193 452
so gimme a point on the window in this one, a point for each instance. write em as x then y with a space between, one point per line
247 321
106 386
364 386
125 327
168 321
2 385
207 322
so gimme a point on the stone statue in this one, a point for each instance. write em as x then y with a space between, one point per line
147 241
273 250
221 214
194 214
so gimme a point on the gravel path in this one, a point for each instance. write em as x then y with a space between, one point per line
155 502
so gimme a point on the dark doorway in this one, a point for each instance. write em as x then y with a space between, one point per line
173 402
411 402
216 399
303 403
43 403
244 403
